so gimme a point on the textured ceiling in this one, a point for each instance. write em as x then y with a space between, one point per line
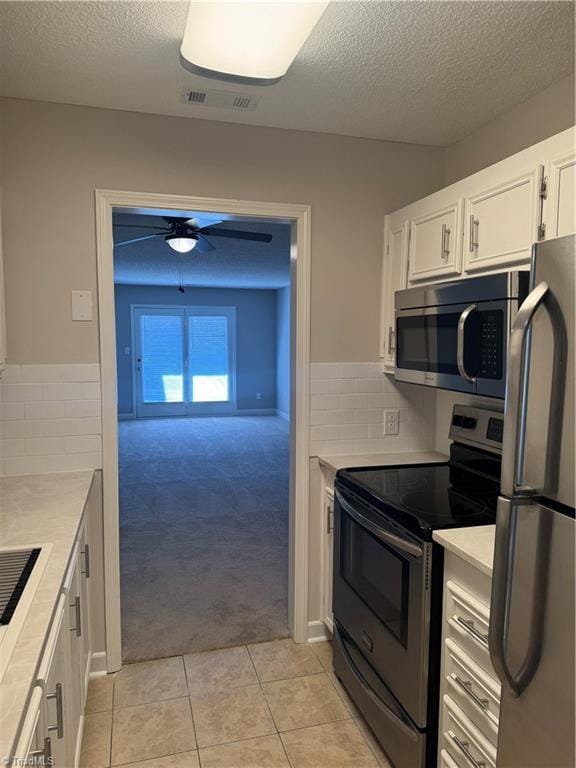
426 72
234 263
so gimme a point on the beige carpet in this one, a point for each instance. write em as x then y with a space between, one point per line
203 534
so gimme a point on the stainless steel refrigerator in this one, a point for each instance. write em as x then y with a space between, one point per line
532 640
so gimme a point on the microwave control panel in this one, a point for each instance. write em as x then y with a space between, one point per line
491 345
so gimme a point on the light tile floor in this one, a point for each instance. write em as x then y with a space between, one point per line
270 705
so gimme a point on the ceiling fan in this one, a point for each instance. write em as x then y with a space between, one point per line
183 235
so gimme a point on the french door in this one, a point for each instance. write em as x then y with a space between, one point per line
185 360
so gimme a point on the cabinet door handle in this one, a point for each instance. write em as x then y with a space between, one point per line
468 625
464 747
445 245
329 518
86 553
391 339
42 756
59 727
474 225
466 686
76 606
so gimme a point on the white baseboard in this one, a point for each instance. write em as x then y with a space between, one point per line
317 632
98 665
283 415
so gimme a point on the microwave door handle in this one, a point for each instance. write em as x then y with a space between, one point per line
385 536
514 411
460 343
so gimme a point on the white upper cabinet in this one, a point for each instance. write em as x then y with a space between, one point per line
501 220
561 218
394 266
435 243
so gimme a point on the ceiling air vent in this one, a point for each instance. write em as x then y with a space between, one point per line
222 100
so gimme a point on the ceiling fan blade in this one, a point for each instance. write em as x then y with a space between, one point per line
203 245
142 226
138 239
237 234
204 220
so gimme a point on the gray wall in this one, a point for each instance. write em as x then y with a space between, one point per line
55 155
545 114
283 351
255 337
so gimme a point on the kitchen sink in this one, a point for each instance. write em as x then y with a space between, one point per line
21 570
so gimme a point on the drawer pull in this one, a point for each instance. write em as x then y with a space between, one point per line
78 612
59 727
42 756
468 625
86 553
464 747
466 685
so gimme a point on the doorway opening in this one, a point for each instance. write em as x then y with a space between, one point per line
210 535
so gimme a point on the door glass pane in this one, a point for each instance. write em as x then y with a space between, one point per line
162 358
209 374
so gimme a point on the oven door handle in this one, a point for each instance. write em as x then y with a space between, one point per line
410 732
385 536
460 343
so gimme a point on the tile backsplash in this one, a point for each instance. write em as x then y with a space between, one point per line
347 404
50 418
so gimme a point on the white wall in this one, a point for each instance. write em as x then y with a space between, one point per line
548 112
54 156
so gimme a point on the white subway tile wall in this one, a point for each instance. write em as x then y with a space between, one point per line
347 404
50 418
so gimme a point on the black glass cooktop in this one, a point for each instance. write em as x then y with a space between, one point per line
426 497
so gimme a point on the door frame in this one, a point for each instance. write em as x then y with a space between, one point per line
299 216
227 408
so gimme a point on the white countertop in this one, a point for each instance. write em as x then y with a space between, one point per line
36 509
381 459
475 544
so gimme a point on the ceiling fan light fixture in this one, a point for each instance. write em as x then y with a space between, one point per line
247 41
181 244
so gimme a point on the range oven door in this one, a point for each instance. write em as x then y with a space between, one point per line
458 346
382 597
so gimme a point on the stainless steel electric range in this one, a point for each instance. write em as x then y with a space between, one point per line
388 579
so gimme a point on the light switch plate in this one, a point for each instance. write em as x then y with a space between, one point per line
82 305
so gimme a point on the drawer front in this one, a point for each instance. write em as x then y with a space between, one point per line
468 620
463 741
446 761
475 692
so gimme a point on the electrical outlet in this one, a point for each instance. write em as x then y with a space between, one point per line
391 422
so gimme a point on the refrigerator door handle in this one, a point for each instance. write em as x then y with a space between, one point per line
514 415
501 589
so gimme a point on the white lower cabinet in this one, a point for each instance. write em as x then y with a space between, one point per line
76 593
52 729
328 556
55 681
34 746
469 687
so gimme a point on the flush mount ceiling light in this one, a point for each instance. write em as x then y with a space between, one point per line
246 41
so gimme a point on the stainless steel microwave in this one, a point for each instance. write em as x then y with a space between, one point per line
455 335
